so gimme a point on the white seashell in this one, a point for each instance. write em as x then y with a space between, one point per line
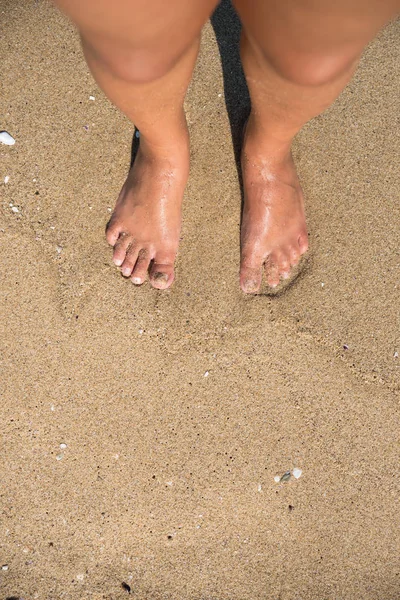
277 479
206 374
297 473
4 568
15 209
63 446
92 98
6 138
6 179
59 456
259 488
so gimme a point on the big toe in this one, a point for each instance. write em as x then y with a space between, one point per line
162 272
250 275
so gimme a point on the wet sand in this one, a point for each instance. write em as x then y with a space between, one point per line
167 479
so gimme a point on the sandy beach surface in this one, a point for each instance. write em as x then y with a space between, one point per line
141 431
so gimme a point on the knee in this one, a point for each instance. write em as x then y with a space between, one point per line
141 67
311 70
133 65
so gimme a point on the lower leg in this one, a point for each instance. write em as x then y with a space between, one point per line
274 230
291 78
142 54
145 226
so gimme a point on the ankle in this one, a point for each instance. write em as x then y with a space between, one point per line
264 141
172 141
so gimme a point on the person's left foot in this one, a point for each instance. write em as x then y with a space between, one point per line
273 232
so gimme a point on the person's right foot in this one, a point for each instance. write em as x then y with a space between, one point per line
145 226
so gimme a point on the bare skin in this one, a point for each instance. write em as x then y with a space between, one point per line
145 226
290 82
142 55
273 232
297 57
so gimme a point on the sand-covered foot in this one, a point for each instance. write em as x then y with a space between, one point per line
273 233
145 226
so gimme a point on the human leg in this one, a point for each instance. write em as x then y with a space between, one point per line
297 57
142 53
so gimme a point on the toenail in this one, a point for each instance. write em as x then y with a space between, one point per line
126 272
285 275
161 277
136 280
118 261
250 285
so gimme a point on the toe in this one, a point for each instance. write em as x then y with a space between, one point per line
250 271
294 256
139 272
113 231
303 243
130 259
161 275
120 248
272 271
250 279
284 267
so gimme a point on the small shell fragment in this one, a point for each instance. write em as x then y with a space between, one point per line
15 209
206 374
63 446
6 179
297 473
277 479
4 568
285 477
92 98
59 456
6 138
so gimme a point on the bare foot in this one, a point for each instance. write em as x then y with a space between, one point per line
145 226
273 233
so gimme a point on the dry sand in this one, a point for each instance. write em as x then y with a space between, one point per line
167 481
